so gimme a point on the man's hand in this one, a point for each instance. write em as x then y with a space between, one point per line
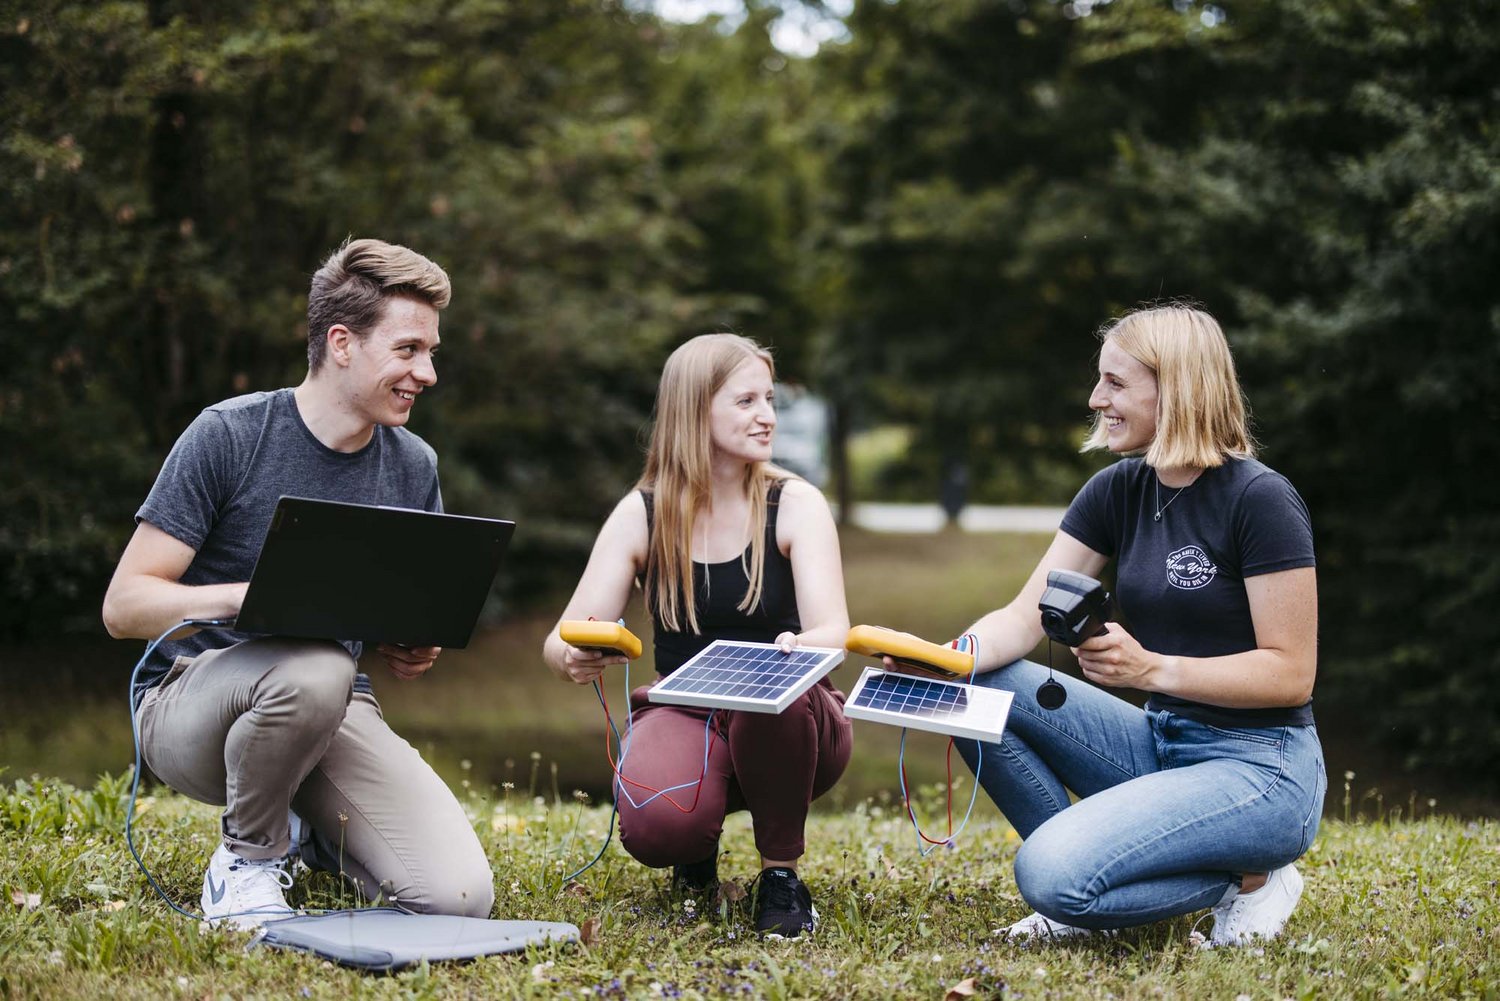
407 662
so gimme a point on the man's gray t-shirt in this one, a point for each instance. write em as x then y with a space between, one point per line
220 484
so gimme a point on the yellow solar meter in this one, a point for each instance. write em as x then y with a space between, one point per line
606 637
909 652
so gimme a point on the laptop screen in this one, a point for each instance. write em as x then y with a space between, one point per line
330 570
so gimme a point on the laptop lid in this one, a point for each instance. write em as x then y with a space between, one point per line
329 570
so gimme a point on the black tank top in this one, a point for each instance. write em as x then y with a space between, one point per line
719 588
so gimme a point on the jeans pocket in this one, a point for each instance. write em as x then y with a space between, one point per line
1264 736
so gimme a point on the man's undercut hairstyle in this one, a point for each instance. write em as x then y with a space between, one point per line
1201 415
352 286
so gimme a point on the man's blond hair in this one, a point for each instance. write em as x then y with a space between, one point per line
352 286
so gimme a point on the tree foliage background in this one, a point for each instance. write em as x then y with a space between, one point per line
927 220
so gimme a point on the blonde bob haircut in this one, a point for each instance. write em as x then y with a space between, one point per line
679 462
1201 414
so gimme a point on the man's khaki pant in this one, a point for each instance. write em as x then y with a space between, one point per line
274 723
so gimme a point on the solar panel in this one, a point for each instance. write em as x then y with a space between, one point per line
757 677
953 708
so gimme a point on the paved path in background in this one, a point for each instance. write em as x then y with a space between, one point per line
975 518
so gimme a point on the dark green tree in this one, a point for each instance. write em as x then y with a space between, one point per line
175 170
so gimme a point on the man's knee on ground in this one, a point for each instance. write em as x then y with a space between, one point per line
464 891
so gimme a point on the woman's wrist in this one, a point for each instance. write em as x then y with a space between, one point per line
1162 674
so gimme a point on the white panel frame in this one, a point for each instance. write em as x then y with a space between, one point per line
984 719
663 694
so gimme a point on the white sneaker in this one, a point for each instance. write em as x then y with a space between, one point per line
244 892
1040 926
1261 914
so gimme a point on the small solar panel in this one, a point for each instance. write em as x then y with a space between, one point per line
952 708
757 677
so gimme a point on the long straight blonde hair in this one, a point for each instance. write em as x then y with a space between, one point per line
679 463
1201 415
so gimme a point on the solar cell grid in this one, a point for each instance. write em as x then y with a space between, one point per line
740 675
953 708
896 693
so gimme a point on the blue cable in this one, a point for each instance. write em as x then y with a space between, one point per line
625 750
971 642
619 785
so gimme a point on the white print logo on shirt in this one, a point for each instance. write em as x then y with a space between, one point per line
1190 568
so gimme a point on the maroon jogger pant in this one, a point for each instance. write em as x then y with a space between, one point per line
772 765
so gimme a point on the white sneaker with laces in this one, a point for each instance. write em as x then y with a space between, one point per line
244 892
1260 914
1039 926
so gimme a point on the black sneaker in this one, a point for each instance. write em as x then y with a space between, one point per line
783 907
697 879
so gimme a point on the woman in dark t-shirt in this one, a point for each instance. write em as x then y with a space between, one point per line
1206 798
726 546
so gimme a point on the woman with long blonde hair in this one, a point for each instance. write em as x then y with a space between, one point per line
726 546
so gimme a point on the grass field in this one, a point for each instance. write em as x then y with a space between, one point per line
1394 907
1401 896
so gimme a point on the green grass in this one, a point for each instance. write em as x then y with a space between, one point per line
1394 907
1400 901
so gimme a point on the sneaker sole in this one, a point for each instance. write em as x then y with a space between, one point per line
804 933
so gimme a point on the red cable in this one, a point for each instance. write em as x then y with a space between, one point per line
609 755
911 811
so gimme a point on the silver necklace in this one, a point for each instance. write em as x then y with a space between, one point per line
1161 508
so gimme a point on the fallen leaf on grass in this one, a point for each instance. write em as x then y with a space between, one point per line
576 889
26 901
965 988
589 933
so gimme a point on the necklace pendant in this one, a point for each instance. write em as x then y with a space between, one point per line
1158 516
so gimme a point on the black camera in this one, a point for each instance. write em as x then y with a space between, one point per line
1074 607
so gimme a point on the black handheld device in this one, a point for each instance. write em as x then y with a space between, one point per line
1074 607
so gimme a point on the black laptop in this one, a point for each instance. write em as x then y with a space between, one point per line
329 570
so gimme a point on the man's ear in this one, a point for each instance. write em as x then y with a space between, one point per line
340 344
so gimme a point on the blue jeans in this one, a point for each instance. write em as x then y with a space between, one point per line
1171 811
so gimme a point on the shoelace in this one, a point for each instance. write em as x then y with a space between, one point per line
256 893
1222 915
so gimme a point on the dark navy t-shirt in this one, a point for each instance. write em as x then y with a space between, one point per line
1180 582
221 481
